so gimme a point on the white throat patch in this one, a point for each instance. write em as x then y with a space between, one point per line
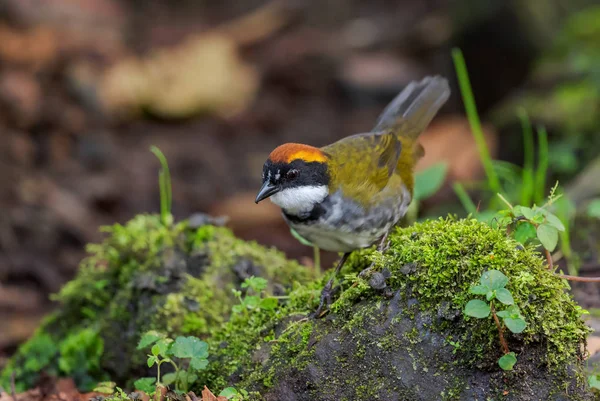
301 199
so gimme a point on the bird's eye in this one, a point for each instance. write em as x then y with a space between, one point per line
292 174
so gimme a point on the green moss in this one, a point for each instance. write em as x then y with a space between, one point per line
433 264
179 280
144 275
451 255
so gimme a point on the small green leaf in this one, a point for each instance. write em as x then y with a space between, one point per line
257 284
527 212
524 232
515 325
190 347
503 295
155 350
538 218
479 289
105 387
145 384
548 236
554 221
252 301
164 346
187 377
300 239
151 360
199 363
268 303
594 382
490 295
512 311
149 338
429 181
593 210
508 361
477 308
168 378
503 314
228 392
237 308
494 279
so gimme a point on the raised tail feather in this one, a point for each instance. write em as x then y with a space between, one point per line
414 108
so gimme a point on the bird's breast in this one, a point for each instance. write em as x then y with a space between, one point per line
340 224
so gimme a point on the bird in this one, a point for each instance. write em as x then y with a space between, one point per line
348 195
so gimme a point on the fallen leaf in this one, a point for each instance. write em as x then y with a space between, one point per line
204 74
37 47
207 395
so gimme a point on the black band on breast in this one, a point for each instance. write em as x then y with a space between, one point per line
315 214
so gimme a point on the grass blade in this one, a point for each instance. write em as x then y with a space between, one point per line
542 167
164 184
474 122
464 198
528 186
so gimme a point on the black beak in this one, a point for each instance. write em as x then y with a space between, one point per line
266 190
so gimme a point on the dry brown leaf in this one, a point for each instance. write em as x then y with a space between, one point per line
36 48
205 74
207 395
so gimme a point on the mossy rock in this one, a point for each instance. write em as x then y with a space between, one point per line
398 335
146 275
408 339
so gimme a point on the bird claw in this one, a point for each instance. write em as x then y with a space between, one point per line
325 299
363 274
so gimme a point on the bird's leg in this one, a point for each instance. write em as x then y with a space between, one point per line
327 290
382 247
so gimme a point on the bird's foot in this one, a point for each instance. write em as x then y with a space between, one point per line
383 246
328 289
326 294
366 272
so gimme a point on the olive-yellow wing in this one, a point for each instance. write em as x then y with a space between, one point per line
362 164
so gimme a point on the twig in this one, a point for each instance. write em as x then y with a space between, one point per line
500 331
549 259
578 278
13 392
568 277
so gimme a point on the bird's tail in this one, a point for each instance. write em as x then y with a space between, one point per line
414 108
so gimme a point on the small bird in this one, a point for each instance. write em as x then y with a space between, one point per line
348 195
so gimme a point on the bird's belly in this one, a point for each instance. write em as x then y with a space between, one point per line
346 226
330 238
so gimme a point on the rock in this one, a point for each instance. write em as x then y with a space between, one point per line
417 345
411 342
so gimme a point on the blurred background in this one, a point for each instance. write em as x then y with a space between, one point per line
87 86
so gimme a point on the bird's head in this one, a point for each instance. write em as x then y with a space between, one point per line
295 177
